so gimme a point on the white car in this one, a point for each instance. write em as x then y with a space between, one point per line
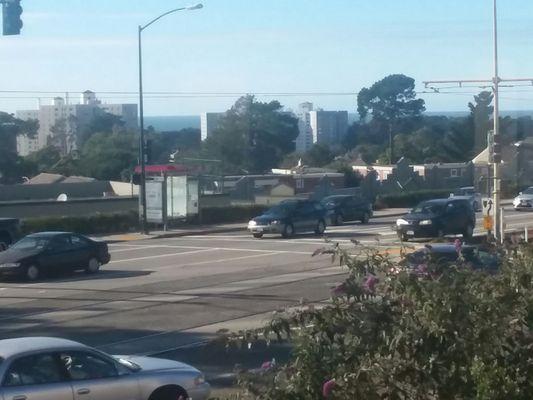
39 368
524 200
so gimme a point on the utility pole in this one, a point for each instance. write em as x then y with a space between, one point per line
495 151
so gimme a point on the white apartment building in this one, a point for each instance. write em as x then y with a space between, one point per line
208 123
304 141
318 126
74 117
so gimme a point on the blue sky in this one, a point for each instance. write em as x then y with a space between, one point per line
259 46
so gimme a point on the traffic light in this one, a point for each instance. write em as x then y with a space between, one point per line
11 12
497 148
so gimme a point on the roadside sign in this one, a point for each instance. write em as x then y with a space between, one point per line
488 208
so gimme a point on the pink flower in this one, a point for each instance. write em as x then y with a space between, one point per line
370 283
458 246
339 290
327 388
268 365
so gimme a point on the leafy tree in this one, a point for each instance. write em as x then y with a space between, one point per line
319 155
63 134
253 136
12 167
101 122
390 100
480 115
109 156
45 158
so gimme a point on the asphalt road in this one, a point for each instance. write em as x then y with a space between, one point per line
158 295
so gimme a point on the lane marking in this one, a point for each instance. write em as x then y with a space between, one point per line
162 255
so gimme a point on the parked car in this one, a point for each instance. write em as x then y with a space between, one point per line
290 217
342 208
9 232
524 200
39 368
446 254
48 252
436 218
470 193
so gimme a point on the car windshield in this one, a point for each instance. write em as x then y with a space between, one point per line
31 243
529 190
281 209
428 208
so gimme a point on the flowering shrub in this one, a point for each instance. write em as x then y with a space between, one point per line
389 333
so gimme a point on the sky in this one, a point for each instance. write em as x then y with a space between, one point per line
288 49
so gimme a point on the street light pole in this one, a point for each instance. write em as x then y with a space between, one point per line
498 227
142 144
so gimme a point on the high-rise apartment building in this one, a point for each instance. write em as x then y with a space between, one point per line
328 127
60 121
318 126
208 123
304 141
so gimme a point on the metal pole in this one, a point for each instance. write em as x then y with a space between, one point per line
496 175
142 197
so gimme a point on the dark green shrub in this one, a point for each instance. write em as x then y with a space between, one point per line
409 199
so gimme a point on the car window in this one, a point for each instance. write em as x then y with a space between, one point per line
306 207
82 365
37 369
78 241
60 243
528 190
31 243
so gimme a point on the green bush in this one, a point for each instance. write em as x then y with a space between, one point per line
409 199
93 224
435 333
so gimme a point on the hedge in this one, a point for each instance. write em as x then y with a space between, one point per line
409 199
93 224
127 222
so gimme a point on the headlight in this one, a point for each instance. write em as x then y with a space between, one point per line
401 222
252 223
199 380
426 222
10 265
516 201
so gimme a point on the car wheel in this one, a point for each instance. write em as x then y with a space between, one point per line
288 231
469 232
320 228
32 273
169 393
93 266
366 218
258 235
339 220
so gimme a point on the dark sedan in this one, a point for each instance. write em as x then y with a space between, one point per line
49 252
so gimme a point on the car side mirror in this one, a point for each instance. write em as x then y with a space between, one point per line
519 193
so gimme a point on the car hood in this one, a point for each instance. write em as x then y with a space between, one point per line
158 364
418 216
13 255
267 218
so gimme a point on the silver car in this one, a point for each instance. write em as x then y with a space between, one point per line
470 193
524 200
39 368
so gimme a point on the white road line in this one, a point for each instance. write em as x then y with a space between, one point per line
128 249
165 267
172 246
163 255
